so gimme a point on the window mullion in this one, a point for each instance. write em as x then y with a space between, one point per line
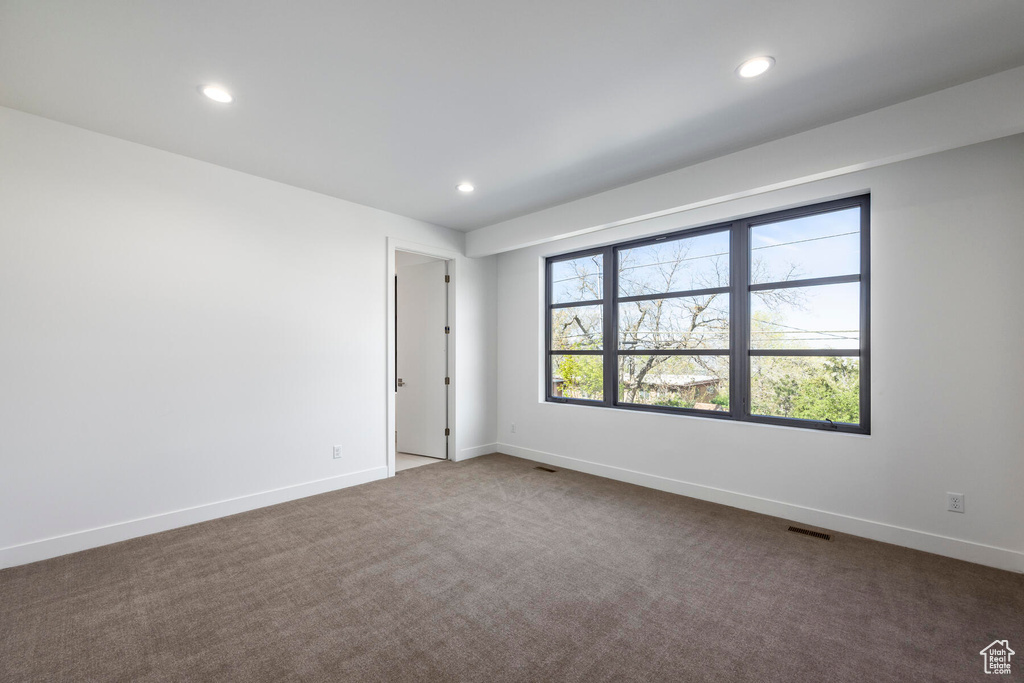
611 326
548 377
811 282
739 331
865 313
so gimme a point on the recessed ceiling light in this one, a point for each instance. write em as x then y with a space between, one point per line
755 67
465 187
217 94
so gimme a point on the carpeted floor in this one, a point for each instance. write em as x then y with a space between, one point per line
491 570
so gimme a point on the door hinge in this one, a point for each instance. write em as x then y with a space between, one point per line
447 380
447 432
447 330
447 278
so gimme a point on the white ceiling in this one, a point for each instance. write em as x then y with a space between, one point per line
390 103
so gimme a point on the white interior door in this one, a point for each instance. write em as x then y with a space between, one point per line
420 405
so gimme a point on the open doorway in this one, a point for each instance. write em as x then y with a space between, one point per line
422 378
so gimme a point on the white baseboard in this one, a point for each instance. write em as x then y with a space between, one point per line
91 538
475 451
991 556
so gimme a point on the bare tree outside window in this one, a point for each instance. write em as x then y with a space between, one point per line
682 323
676 323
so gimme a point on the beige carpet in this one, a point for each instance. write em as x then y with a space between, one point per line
491 570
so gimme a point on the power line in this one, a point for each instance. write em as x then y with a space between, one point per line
703 256
800 329
580 277
809 239
662 263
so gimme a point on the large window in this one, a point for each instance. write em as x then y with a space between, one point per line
763 319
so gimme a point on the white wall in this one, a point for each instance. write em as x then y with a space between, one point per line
947 368
476 349
180 341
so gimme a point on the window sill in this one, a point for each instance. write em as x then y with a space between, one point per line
709 417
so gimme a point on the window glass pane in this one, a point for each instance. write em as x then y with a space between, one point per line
577 377
700 322
813 246
699 382
578 328
578 279
677 265
823 317
807 387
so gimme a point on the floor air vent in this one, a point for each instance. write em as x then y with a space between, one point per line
808 532
544 469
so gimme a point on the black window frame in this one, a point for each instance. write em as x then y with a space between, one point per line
739 290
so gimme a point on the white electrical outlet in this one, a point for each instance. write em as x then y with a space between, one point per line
513 427
337 452
955 502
